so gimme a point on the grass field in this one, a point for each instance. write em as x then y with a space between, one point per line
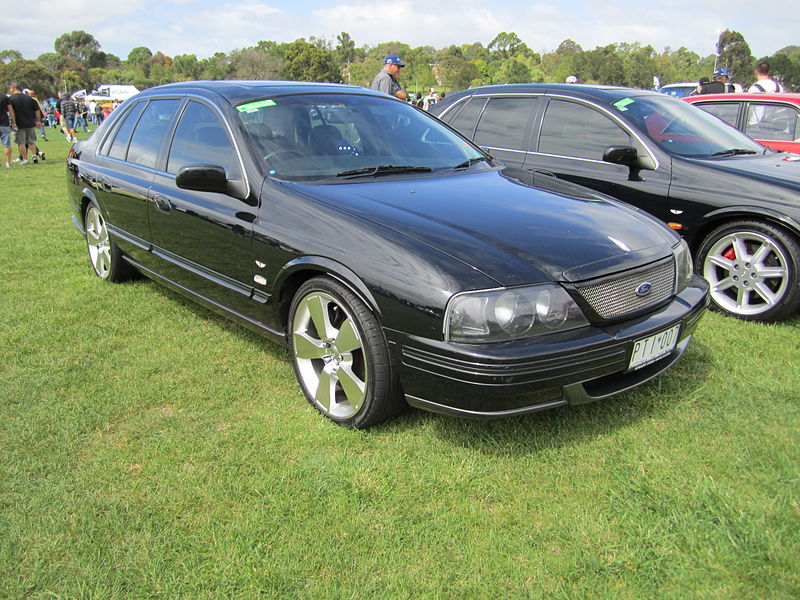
150 449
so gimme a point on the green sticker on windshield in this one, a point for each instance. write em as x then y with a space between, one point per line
621 104
254 106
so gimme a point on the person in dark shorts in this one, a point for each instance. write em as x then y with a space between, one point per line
25 118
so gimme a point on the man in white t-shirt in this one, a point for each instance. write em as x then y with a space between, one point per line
764 81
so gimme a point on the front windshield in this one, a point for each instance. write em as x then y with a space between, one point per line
308 137
680 128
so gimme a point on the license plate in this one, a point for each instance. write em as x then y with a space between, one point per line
650 349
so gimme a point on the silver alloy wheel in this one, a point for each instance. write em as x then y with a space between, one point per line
98 242
748 272
329 355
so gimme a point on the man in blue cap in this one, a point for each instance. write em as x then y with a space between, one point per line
386 79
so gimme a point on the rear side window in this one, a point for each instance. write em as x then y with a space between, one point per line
571 129
727 111
119 145
150 130
504 122
772 122
200 139
464 120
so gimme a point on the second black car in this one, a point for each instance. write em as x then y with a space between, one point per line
735 202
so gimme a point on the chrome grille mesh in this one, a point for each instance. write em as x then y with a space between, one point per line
615 297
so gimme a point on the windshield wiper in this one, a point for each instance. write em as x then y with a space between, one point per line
472 161
383 170
734 152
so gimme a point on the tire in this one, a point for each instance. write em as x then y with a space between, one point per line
104 254
340 355
752 267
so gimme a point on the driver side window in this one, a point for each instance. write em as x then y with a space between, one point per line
200 139
571 129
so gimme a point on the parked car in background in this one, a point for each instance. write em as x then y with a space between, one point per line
735 202
385 250
772 119
678 90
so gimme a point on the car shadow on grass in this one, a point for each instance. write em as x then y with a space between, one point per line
535 432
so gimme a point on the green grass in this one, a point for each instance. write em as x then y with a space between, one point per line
150 449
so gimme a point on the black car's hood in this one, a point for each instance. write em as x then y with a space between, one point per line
512 233
776 168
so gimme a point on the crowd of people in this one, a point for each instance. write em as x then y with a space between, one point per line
723 84
24 116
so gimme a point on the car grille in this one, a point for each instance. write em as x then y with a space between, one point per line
615 297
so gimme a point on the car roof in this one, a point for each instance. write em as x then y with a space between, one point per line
237 91
791 98
604 93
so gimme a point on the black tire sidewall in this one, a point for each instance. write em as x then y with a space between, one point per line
380 402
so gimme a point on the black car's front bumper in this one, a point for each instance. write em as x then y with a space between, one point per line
518 377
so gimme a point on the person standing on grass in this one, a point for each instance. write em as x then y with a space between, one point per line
5 129
69 111
25 117
40 129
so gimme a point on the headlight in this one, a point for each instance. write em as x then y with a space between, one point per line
683 266
510 314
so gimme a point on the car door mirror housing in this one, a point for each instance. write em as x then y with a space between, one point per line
629 157
621 155
203 178
211 178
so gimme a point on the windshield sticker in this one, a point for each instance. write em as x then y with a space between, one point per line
622 104
254 106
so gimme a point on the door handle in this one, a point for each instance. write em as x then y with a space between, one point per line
162 203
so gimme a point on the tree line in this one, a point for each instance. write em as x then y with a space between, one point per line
79 63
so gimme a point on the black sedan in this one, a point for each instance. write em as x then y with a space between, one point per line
735 202
389 253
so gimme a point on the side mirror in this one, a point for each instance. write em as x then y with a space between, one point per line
211 178
621 155
203 178
628 157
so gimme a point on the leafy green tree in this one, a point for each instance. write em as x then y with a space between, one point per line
512 71
186 66
306 62
345 49
639 65
30 74
78 45
604 65
71 81
506 44
785 68
7 56
255 63
54 63
733 53
139 55
457 73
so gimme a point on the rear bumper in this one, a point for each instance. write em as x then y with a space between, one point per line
575 367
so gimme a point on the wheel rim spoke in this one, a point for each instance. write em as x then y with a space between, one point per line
766 294
318 310
306 347
347 339
353 386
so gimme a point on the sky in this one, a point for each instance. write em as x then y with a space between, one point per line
203 27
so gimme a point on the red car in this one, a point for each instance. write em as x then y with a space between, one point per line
772 119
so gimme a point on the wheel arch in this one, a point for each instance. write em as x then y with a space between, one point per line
732 213
86 196
295 273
